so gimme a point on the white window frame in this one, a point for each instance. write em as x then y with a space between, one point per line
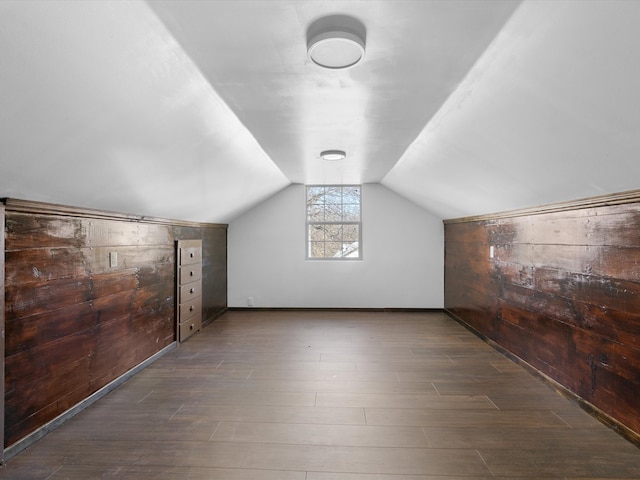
309 223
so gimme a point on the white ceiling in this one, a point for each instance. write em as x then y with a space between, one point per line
199 110
550 113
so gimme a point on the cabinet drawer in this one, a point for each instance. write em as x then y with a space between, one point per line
189 291
190 252
190 273
190 309
189 288
186 329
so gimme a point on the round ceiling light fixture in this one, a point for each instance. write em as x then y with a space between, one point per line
336 42
333 155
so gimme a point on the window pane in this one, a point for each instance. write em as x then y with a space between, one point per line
351 195
350 250
315 213
350 233
333 249
333 213
315 195
316 249
333 196
316 233
351 213
333 233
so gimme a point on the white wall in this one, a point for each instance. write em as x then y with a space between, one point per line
402 248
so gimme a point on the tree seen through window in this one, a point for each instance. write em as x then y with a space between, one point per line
333 222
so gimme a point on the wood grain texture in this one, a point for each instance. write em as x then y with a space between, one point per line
2 323
75 321
331 395
562 293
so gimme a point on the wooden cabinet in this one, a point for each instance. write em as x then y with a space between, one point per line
189 288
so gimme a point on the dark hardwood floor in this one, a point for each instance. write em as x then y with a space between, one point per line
331 396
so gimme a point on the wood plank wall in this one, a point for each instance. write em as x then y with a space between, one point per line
2 323
562 293
75 321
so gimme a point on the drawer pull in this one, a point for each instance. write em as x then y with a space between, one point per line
191 290
191 273
191 254
191 308
191 327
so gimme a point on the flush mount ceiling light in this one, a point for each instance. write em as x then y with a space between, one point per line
336 42
333 155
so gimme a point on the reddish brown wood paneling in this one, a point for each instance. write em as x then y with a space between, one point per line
2 324
562 293
75 321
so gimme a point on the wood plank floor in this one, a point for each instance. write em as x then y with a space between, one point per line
331 396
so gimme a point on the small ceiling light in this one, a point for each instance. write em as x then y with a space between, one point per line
336 42
333 155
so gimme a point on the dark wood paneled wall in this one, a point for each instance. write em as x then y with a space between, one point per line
2 323
562 293
76 321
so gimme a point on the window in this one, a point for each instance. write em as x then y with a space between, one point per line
333 222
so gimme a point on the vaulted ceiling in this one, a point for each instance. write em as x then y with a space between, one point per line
199 110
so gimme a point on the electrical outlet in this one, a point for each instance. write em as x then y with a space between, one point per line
113 259
250 301
492 251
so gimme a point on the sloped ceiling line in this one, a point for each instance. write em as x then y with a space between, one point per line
199 110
